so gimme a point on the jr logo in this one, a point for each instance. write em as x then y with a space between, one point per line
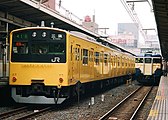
55 59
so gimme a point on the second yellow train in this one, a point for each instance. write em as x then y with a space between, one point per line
48 65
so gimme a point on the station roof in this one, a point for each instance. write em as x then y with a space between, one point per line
33 11
160 8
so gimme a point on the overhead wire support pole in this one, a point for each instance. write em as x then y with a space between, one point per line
133 14
132 1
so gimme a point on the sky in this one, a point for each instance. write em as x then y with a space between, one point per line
108 13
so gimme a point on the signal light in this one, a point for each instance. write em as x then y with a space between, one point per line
14 79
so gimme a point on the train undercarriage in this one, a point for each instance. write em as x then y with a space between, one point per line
40 94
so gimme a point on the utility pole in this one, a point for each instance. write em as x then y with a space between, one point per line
133 14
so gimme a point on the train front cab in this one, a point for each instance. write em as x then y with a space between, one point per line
148 70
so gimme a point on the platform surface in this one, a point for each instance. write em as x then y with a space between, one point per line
159 110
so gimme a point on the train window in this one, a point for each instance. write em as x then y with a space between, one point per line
81 53
105 59
115 61
101 57
71 52
148 60
77 53
85 57
39 49
91 56
97 58
20 47
39 46
118 61
43 48
58 48
156 60
139 60
112 61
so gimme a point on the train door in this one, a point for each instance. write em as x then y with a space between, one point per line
115 66
101 63
148 66
91 63
76 62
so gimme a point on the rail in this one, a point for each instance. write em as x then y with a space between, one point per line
135 98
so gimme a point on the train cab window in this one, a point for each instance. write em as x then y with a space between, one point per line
85 57
139 60
58 48
97 54
38 45
39 49
156 60
148 60
20 48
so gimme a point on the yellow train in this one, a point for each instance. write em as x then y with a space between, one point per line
47 65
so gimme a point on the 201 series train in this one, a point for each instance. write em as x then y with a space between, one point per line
47 65
148 69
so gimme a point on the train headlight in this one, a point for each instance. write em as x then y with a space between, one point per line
14 79
61 80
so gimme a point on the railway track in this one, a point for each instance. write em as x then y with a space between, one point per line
128 107
25 112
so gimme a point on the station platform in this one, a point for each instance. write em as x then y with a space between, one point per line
159 110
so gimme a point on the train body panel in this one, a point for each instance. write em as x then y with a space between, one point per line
48 63
48 74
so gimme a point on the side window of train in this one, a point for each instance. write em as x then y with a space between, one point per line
77 54
139 60
126 60
114 61
81 54
156 60
96 54
85 57
123 59
91 56
148 60
101 57
118 61
105 59
71 52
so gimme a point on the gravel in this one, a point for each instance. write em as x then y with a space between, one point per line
87 110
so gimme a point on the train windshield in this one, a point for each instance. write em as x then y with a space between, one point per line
148 60
39 45
157 60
